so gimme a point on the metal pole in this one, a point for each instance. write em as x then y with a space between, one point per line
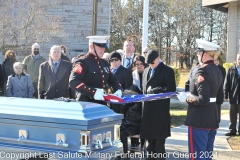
94 21
145 24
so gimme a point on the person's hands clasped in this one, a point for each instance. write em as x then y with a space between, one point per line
191 98
99 94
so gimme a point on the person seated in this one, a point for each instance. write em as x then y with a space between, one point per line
132 119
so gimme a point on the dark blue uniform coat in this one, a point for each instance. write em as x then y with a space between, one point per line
90 73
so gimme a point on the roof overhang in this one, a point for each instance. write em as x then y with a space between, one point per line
220 5
223 7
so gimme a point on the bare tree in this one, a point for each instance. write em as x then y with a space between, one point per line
174 25
24 22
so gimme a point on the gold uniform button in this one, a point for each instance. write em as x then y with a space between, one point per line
93 91
95 57
85 87
99 66
88 88
103 86
103 76
103 81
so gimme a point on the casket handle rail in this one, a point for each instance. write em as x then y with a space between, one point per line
60 144
23 135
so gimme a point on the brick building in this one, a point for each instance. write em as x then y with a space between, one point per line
232 7
76 19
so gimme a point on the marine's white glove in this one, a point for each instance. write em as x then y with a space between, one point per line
98 94
118 93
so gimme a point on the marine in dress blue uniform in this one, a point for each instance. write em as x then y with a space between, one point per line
202 115
91 74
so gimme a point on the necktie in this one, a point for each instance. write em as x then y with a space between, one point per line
129 62
151 73
55 67
114 70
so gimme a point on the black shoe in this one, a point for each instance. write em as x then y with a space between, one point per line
230 134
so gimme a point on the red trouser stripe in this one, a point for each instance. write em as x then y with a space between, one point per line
191 143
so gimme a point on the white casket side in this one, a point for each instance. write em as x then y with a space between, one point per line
51 126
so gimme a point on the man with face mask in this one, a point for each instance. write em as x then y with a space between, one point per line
31 65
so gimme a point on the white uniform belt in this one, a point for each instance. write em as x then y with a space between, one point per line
212 99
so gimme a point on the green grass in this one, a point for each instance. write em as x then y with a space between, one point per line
178 112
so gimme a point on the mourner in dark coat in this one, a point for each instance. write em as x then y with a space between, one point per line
232 92
155 123
54 76
223 71
123 75
91 75
64 53
202 115
7 66
1 81
132 118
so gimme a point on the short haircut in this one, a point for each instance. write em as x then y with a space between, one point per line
35 45
139 58
17 64
55 46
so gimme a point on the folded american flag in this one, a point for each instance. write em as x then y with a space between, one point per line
143 97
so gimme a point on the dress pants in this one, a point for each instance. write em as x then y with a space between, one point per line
200 143
156 149
219 111
35 86
234 113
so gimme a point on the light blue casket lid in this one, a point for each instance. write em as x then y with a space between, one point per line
51 111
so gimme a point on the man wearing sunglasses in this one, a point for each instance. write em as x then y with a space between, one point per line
202 114
92 74
123 75
155 123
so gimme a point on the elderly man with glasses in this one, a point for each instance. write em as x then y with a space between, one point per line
155 124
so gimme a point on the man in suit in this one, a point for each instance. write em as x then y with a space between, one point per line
53 76
155 123
123 75
127 59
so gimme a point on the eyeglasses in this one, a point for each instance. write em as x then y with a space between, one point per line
145 52
140 64
111 60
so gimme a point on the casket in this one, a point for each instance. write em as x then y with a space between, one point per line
63 130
